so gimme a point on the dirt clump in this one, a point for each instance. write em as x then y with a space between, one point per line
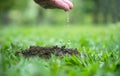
46 52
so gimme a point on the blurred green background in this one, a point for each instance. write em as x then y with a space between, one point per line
17 12
99 46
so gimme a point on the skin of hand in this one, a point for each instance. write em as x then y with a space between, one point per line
66 5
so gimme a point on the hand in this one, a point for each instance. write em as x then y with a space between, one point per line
66 5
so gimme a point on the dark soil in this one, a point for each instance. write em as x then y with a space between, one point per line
46 52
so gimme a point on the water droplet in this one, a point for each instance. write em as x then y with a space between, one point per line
67 18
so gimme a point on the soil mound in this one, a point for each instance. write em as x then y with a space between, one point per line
46 52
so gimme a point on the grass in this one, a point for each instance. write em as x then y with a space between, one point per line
99 51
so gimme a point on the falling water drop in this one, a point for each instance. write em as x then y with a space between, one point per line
67 18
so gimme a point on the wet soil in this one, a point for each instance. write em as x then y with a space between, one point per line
46 52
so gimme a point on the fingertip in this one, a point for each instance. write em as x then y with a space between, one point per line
61 4
71 7
69 3
66 10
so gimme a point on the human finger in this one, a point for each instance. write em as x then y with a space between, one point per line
69 3
61 4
